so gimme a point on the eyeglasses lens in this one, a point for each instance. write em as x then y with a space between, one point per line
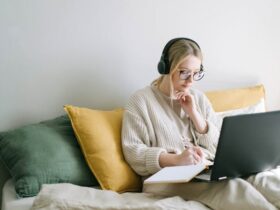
198 75
184 75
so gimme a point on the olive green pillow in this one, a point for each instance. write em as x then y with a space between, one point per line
45 152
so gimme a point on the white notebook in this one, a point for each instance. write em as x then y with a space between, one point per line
176 174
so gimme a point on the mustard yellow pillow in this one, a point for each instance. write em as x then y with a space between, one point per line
99 135
224 100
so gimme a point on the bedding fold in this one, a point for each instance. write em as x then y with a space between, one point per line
69 196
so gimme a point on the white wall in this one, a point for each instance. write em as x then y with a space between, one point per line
95 53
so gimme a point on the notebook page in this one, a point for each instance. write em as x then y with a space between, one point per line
176 174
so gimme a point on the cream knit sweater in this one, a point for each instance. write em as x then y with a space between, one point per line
152 125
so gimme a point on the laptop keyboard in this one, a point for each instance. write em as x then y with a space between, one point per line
205 175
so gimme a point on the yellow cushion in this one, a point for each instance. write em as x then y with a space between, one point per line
99 135
224 100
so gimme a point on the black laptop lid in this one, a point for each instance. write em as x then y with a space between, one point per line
248 144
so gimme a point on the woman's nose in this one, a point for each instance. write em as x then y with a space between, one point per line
190 79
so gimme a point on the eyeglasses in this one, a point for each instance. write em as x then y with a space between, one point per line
184 75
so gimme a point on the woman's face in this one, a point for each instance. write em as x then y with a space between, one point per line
186 70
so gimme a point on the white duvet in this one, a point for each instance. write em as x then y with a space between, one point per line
260 191
70 197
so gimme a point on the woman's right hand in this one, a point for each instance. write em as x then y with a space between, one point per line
190 156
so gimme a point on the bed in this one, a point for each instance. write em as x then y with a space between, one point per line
71 169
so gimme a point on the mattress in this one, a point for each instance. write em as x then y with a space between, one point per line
10 201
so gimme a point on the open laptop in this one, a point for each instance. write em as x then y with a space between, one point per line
248 144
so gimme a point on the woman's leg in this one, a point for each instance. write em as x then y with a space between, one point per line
228 194
268 184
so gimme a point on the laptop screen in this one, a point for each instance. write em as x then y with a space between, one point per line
248 144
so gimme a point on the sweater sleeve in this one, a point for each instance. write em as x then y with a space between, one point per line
137 148
210 139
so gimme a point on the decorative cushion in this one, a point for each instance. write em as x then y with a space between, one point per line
231 99
99 135
256 108
45 152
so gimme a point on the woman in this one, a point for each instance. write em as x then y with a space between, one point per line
170 123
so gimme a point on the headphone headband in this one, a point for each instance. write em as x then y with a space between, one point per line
164 65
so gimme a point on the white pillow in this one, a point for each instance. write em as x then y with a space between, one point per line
256 108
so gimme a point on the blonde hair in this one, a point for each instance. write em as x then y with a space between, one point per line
178 51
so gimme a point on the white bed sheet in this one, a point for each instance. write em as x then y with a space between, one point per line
10 201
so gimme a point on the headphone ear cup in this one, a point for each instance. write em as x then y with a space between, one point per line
161 67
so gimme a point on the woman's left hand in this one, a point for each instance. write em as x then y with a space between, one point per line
189 106
186 101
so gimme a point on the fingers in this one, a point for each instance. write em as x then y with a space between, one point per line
196 158
180 95
198 150
192 157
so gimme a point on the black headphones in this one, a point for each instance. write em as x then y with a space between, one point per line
163 64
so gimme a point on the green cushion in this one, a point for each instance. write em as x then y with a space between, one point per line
45 152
